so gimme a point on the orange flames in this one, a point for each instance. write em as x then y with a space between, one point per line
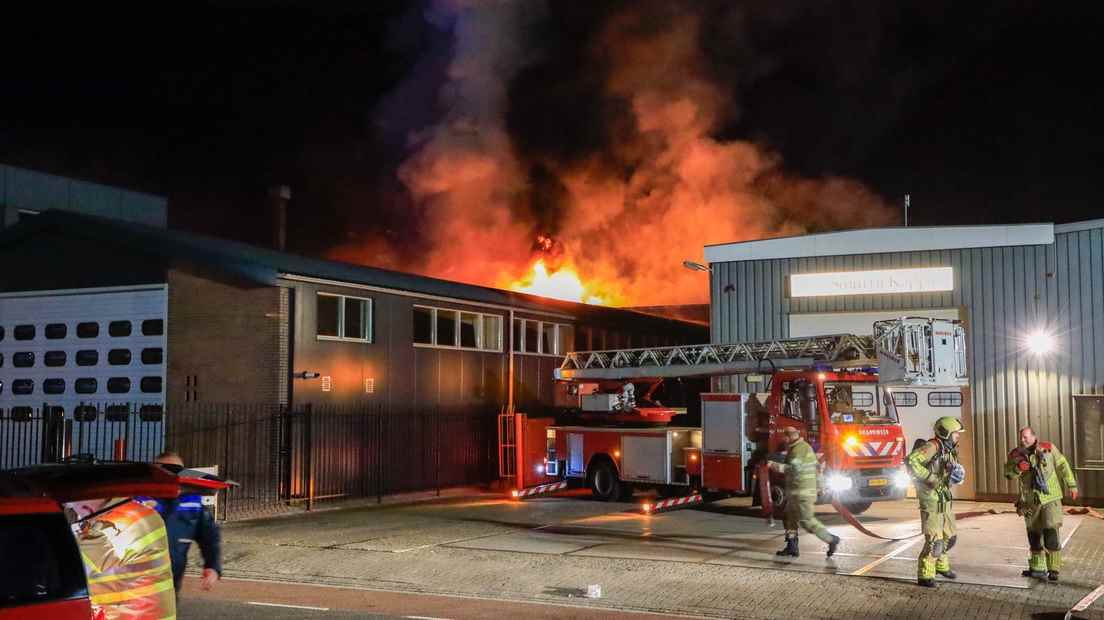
563 283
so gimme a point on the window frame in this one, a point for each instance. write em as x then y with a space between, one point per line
944 405
915 399
369 319
556 340
1079 461
480 332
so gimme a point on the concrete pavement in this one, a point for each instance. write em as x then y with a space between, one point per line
715 562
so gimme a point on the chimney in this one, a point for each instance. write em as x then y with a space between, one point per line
278 196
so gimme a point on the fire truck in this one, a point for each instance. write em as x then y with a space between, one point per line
837 390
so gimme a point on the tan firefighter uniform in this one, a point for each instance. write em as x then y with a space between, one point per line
126 558
1042 474
931 465
800 469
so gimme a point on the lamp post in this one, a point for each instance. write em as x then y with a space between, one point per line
692 266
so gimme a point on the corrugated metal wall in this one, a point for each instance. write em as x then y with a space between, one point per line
1003 293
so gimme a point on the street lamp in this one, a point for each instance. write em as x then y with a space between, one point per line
1040 342
692 266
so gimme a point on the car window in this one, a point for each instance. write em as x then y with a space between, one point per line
41 560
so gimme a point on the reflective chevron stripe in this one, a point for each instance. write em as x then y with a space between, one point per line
674 502
874 448
540 489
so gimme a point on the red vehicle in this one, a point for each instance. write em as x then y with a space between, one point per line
41 572
824 386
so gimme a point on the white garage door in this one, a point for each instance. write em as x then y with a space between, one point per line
91 347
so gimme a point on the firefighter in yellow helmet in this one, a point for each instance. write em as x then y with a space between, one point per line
126 558
800 469
935 468
1041 471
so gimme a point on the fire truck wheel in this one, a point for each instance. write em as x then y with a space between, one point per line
604 483
857 508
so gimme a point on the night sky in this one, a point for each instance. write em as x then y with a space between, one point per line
984 112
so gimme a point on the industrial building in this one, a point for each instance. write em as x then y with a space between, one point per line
1031 298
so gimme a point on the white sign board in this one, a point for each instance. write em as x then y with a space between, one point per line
920 280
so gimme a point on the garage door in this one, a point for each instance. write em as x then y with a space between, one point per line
64 352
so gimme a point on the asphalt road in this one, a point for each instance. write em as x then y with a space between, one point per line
238 598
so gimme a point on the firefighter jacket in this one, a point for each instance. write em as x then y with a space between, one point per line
1042 482
801 470
187 521
930 466
126 558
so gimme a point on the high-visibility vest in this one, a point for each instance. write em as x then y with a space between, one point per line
126 558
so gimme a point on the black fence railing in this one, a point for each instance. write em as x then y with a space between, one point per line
280 457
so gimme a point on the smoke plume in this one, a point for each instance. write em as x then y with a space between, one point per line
600 138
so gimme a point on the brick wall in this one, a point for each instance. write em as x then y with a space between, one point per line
227 342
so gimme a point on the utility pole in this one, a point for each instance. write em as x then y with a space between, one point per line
906 209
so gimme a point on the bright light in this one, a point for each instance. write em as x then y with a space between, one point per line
851 441
514 493
693 457
838 482
616 454
822 376
562 284
540 469
1040 342
646 507
901 480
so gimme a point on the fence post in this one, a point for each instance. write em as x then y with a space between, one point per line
309 441
380 447
226 456
437 450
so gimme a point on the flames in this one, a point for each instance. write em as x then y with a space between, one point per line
563 283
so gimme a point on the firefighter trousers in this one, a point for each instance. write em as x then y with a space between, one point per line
1044 524
800 513
939 536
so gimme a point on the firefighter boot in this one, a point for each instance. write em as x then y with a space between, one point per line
1036 565
943 567
791 547
1054 564
833 545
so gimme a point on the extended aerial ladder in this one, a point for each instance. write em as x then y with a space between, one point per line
907 351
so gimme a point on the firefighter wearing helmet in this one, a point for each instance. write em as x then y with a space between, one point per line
935 468
1041 471
800 469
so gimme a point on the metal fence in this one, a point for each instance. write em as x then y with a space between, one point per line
282 458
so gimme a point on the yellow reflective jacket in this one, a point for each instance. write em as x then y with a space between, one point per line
801 470
930 465
126 559
1053 466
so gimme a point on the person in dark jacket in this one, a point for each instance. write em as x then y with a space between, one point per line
187 521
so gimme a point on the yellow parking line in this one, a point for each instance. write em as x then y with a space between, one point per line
885 558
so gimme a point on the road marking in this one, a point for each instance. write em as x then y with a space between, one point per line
424 618
1070 535
287 606
885 558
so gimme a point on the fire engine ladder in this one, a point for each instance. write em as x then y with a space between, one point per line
908 351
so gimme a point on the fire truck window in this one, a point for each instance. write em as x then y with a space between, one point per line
791 401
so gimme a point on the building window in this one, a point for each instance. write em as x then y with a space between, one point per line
56 331
118 357
88 357
54 358
24 332
543 338
1088 424
22 387
344 318
153 327
904 399
153 355
118 385
88 330
119 329
1 333
423 325
23 359
443 327
86 386
150 385
53 386
945 399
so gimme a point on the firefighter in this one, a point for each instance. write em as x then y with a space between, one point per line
125 551
935 468
800 469
1042 472
187 521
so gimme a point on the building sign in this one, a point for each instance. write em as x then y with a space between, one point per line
923 280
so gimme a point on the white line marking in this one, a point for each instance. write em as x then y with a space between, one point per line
424 618
258 603
885 558
1070 535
